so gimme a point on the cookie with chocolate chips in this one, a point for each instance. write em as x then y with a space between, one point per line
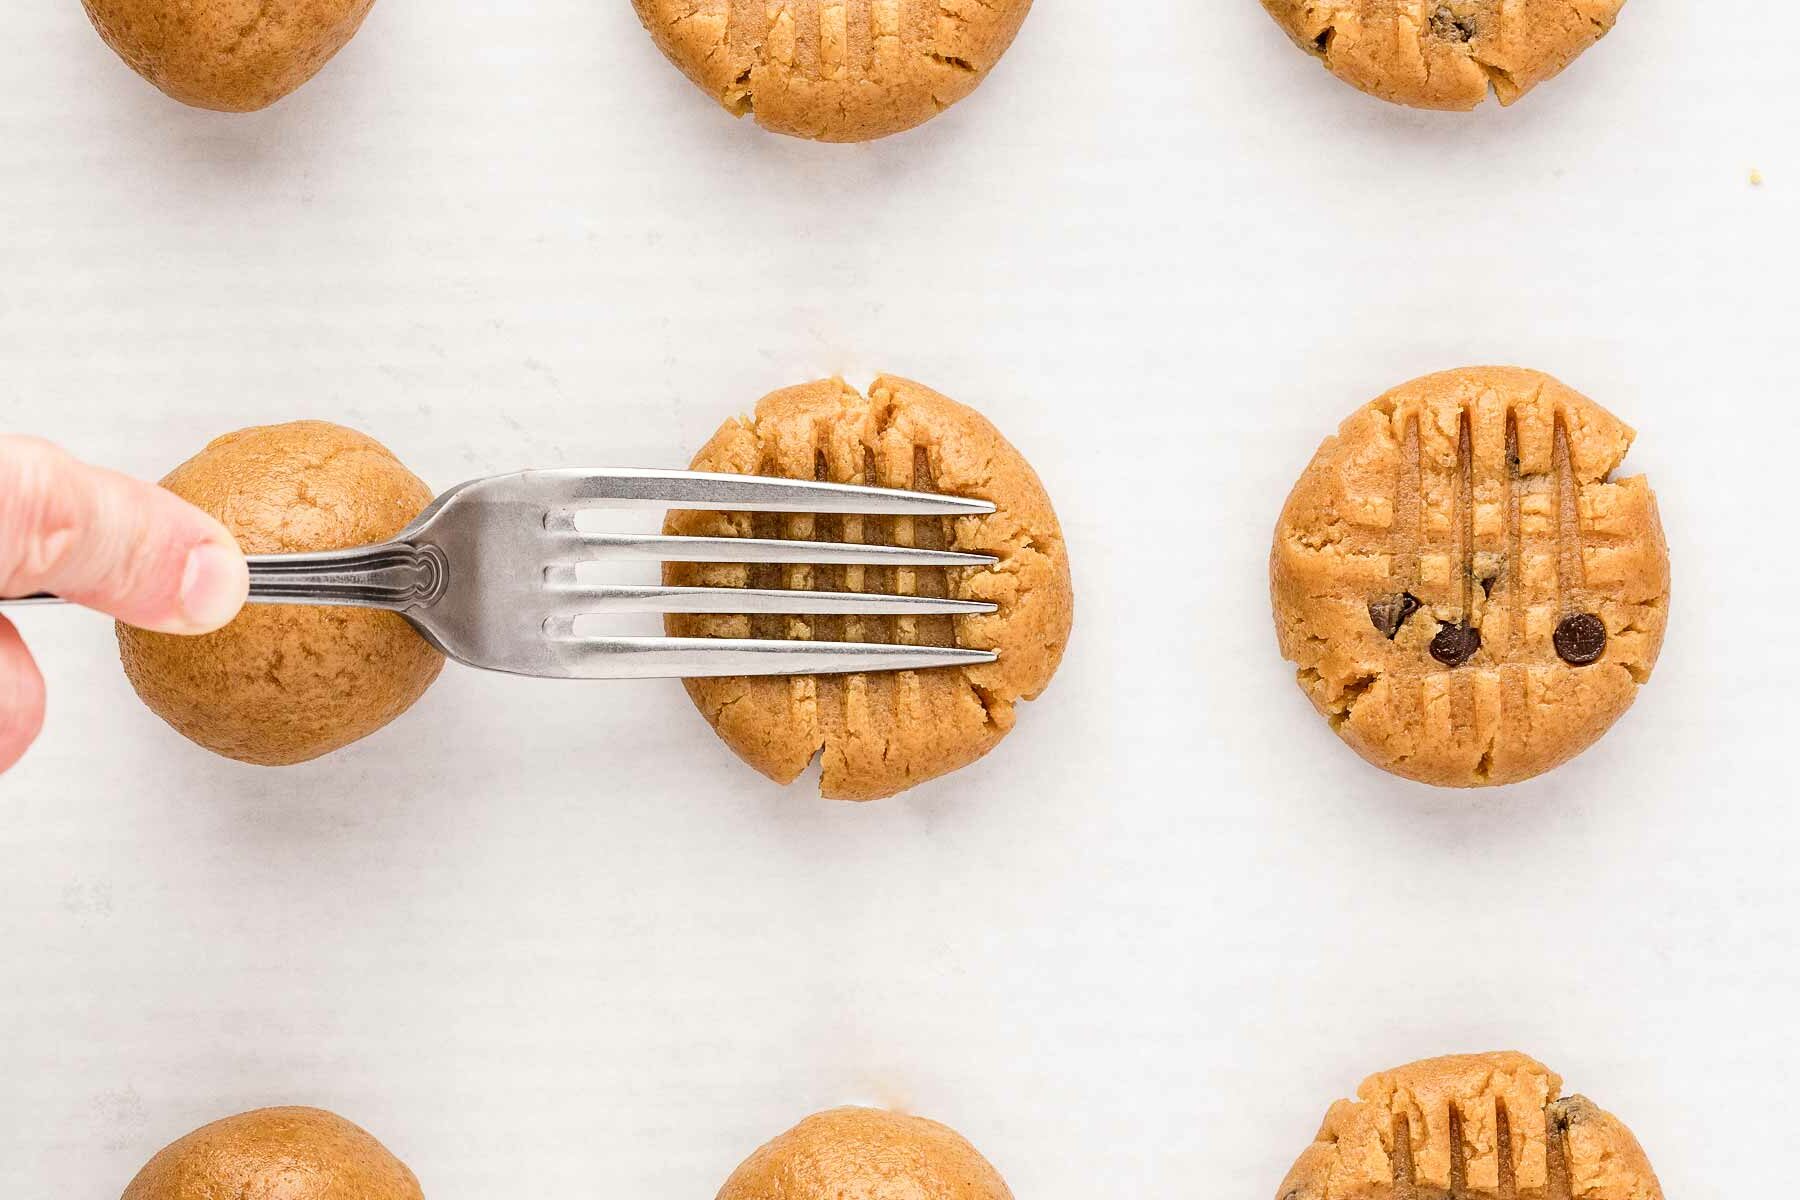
1469 594
1445 53
880 734
1475 1127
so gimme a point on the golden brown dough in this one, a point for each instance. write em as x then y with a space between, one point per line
230 55
1470 596
835 70
866 1154
883 733
1471 1125
275 1154
1445 53
286 683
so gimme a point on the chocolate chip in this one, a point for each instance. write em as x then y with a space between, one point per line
1455 645
1581 639
1389 613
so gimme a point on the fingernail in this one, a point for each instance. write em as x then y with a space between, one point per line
213 585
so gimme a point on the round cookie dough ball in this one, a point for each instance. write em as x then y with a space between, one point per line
1445 53
866 1154
1462 1125
229 55
838 72
276 1154
286 683
880 734
1470 596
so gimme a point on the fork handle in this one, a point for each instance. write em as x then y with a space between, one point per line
396 576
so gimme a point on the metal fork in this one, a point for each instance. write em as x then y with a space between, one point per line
488 575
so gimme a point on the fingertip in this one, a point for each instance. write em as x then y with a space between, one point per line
21 697
215 582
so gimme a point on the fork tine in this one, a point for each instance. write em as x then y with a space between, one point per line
573 600
572 546
627 487
696 658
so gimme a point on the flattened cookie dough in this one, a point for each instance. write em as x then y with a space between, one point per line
883 733
1471 1125
1470 597
1445 53
835 70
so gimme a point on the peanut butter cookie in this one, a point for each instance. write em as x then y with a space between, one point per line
883 733
286 683
835 70
1469 1126
1445 53
866 1154
1469 594
229 55
275 1154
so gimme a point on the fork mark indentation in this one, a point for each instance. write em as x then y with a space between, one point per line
929 533
1503 1150
764 575
1571 572
1400 1159
1459 1156
1557 1182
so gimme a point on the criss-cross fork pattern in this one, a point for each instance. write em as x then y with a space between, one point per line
1557 1184
1541 522
852 41
491 574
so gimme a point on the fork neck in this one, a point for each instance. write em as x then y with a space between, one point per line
395 576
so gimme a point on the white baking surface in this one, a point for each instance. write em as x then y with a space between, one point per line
553 940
